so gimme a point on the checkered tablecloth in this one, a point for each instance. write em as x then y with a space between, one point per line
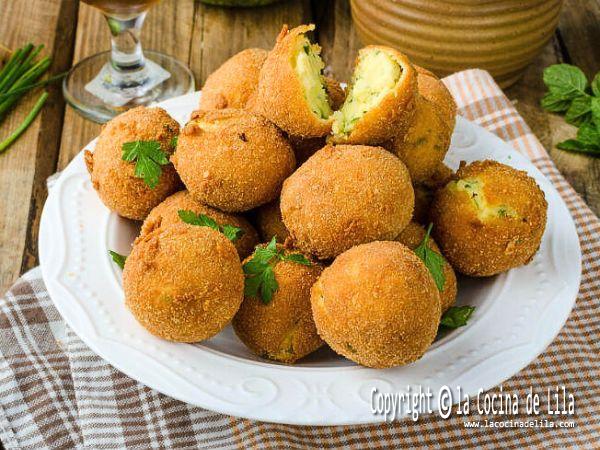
56 393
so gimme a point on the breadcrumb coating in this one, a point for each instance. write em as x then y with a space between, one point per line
232 159
234 83
377 304
280 95
114 180
282 330
490 219
346 195
183 283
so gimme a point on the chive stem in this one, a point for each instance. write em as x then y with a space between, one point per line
26 88
25 124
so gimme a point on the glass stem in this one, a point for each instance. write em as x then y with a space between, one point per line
127 58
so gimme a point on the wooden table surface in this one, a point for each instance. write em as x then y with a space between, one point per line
205 37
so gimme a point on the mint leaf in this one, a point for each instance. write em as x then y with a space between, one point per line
596 85
148 158
573 145
202 220
595 108
118 259
433 260
580 110
565 80
456 316
554 103
589 135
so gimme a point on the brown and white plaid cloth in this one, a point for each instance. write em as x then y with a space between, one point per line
56 393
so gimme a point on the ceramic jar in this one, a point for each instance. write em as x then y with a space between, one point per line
445 36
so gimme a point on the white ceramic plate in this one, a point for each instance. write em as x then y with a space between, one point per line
518 313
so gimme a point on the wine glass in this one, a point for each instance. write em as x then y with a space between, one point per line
108 83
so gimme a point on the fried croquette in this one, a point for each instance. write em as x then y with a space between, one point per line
270 224
183 283
282 330
114 178
425 144
234 84
232 159
490 219
380 99
377 304
432 88
291 89
167 214
346 195
412 236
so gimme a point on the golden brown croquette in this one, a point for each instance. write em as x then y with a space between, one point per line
114 179
432 88
346 195
291 88
183 283
234 84
380 99
490 219
270 223
377 304
232 159
167 214
425 144
282 330
412 236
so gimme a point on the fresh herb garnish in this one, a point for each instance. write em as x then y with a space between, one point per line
231 232
260 279
433 260
174 141
18 76
118 258
570 93
456 316
148 158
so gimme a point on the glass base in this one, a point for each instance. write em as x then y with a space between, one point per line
81 81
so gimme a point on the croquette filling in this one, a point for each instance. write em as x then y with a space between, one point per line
375 76
474 188
309 67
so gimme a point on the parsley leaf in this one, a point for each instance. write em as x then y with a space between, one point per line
456 316
433 260
148 158
231 232
118 259
174 141
260 281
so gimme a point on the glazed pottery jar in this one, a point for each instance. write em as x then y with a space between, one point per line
445 36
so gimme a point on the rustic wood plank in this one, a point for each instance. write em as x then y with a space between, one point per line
219 33
168 29
337 37
26 165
